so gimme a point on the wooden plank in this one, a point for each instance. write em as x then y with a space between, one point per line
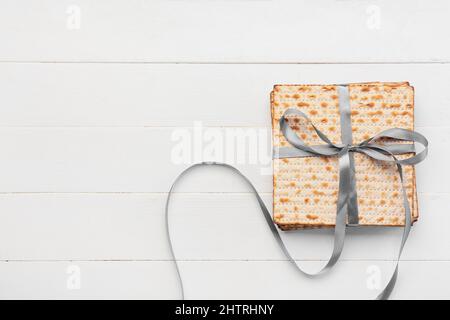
204 226
225 31
217 280
148 159
177 95
87 280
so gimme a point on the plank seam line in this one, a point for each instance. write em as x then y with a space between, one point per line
25 193
412 62
212 260
255 126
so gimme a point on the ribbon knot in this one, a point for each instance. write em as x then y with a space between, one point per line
352 148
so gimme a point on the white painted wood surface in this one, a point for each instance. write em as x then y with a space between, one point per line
94 93
225 31
172 95
217 280
131 227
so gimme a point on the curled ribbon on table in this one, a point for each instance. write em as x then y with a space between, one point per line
347 209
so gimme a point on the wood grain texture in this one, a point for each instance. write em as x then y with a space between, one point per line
92 94
131 227
219 280
225 31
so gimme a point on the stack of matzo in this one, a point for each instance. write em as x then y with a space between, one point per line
305 189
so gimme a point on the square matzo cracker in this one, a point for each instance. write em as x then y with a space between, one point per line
305 189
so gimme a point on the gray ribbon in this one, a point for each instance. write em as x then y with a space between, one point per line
347 197
347 139
347 209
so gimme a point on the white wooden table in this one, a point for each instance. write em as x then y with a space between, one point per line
93 93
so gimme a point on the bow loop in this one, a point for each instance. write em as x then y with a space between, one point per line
396 148
329 149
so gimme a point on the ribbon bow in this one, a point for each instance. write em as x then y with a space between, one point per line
370 147
347 196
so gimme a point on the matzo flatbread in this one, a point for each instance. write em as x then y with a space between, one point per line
305 189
